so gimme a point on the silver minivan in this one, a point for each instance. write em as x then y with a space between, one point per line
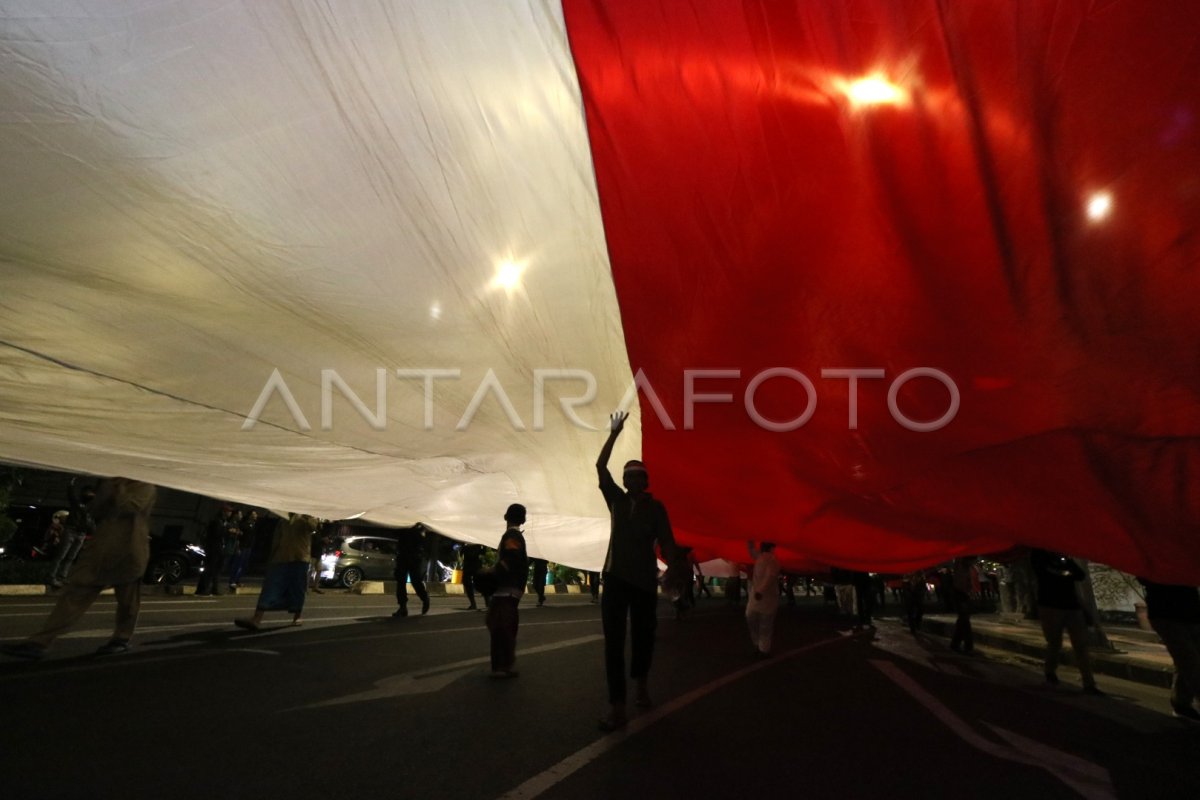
356 558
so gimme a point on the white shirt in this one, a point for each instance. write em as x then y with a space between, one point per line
765 585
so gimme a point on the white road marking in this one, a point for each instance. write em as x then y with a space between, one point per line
547 779
309 622
212 609
108 601
432 679
1090 780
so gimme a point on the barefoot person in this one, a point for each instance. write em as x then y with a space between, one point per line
287 571
639 521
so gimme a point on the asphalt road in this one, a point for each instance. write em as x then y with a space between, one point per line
356 704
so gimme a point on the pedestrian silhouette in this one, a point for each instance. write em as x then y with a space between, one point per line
512 569
639 523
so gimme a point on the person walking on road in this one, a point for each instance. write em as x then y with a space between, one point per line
680 582
286 581
219 529
638 522
322 543
116 557
914 599
249 534
701 581
1174 613
843 586
540 567
512 570
1059 608
764 597
472 556
864 597
78 527
410 557
963 580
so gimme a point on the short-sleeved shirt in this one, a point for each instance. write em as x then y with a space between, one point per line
639 521
512 564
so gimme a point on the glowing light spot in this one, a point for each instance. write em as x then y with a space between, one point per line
1099 206
435 311
872 90
508 275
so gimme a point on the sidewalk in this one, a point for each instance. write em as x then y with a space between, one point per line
1139 656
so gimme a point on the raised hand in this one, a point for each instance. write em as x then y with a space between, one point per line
616 421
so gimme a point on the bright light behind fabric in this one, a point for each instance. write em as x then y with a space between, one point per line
1003 192
197 194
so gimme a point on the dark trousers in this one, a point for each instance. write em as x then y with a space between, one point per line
239 566
914 607
68 551
866 602
502 619
594 585
468 579
213 559
540 568
409 568
1183 644
622 599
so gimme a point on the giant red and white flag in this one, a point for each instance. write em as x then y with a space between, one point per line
898 280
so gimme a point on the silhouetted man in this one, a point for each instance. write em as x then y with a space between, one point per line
409 553
79 526
1059 608
219 529
540 569
472 555
639 521
512 570
1174 613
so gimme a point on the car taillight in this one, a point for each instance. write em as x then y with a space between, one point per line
337 553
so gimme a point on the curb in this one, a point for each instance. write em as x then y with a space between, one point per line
435 589
1103 663
23 589
175 590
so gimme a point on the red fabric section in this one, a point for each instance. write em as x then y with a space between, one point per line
758 217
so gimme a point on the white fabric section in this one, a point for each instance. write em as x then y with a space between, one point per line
199 193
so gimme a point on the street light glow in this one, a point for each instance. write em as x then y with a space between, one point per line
508 275
1099 206
872 90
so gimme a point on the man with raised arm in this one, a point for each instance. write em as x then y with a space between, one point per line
639 522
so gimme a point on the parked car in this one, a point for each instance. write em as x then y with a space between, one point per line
356 558
173 562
